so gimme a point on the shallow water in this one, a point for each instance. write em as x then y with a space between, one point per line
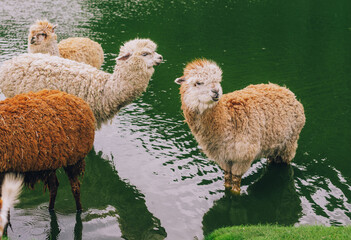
146 177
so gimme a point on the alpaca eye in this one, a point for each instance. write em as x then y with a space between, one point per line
145 54
198 83
42 34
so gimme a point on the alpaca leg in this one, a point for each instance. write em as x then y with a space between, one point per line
73 173
227 180
236 181
288 153
53 185
227 174
75 187
238 170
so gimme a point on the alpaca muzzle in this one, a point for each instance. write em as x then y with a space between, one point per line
214 95
158 60
33 40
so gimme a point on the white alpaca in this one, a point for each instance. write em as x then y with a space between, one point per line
42 39
236 128
10 191
105 93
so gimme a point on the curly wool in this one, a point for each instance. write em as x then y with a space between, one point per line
43 131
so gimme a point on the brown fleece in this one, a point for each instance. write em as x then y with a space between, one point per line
44 131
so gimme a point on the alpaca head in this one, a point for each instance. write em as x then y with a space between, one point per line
142 51
201 85
41 36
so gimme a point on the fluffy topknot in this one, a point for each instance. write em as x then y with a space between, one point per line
137 45
203 69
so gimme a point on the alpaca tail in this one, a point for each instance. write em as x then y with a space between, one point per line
11 189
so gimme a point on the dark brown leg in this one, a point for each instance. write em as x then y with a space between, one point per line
227 180
53 185
236 184
73 173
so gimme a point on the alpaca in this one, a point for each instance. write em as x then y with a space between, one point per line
105 93
42 39
44 131
10 190
234 129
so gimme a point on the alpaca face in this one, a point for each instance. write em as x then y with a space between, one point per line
201 86
41 35
37 38
144 49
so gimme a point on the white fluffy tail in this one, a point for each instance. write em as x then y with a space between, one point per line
11 189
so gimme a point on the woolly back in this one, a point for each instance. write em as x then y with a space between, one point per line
43 131
82 50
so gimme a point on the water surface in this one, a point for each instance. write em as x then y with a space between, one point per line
146 178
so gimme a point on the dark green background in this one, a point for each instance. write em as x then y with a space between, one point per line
146 177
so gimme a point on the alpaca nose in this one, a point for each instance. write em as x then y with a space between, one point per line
215 95
159 59
32 41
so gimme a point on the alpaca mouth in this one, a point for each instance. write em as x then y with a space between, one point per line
159 62
215 99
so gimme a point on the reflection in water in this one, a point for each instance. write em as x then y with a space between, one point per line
272 199
106 200
103 187
54 227
55 230
302 44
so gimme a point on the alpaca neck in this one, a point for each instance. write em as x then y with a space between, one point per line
126 84
46 48
199 120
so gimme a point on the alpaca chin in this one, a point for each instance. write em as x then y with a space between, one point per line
193 103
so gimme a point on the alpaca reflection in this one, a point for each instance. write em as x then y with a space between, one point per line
105 197
102 187
272 199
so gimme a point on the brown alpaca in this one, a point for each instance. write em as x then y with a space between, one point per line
234 129
42 39
44 131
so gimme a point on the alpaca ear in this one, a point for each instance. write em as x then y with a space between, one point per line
53 28
180 80
124 57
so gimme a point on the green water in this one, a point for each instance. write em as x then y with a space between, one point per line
146 177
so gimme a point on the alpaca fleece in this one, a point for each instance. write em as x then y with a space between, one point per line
254 122
82 50
105 93
42 39
42 131
234 129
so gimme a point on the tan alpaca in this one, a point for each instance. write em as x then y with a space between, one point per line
234 129
42 39
105 93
